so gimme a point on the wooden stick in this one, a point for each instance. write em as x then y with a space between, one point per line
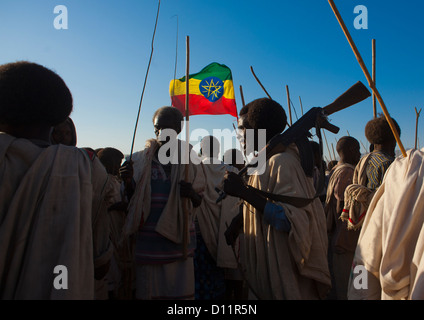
368 76
334 154
416 126
263 88
328 149
348 133
288 103
187 109
365 148
301 105
374 101
242 96
144 85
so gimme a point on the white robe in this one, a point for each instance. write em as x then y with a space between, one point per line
51 214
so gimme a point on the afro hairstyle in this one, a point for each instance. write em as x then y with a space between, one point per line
378 130
266 114
32 94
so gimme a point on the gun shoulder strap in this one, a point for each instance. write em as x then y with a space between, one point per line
294 201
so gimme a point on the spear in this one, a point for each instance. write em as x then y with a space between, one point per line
144 85
416 126
368 76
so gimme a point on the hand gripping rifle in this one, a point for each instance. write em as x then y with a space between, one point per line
299 133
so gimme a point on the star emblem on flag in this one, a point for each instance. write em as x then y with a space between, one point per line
212 88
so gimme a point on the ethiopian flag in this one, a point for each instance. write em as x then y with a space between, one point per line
211 91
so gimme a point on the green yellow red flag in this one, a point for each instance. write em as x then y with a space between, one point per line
211 91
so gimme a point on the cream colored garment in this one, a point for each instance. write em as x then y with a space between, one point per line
357 197
214 217
391 243
46 220
171 222
287 265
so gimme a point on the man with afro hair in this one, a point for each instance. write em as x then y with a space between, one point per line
52 209
285 247
380 135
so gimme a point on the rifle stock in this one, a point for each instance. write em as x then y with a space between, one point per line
299 133
355 94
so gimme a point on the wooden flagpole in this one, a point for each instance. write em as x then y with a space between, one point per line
374 101
288 103
416 126
368 76
187 118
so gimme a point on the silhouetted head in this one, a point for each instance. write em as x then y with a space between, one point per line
32 100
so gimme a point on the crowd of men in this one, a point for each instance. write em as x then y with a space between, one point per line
142 228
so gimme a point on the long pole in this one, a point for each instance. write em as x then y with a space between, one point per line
260 83
374 101
187 117
288 103
328 148
416 126
368 76
301 105
334 154
242 96
144 85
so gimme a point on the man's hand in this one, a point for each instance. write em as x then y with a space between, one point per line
187 191
234 185
233 231
126 172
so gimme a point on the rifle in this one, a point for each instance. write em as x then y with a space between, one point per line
299 133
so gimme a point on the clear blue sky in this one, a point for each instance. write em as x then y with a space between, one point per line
104 53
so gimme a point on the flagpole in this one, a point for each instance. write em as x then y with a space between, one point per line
187 118
368 76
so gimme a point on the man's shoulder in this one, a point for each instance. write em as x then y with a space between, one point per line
290 156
